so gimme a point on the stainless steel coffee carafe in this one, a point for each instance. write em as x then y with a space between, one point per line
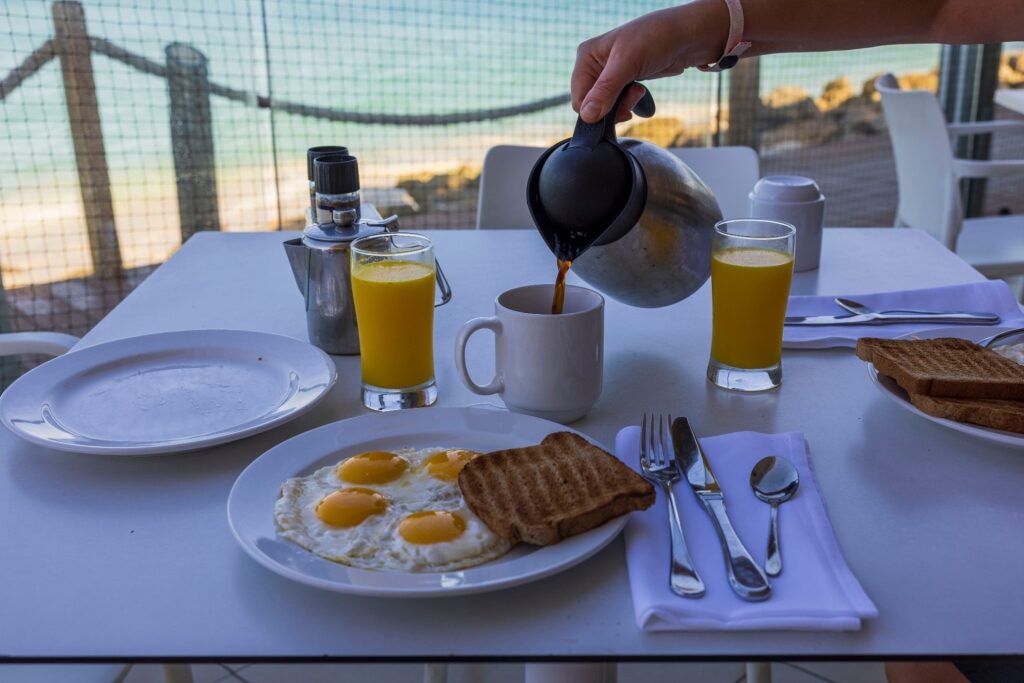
320 261
635 221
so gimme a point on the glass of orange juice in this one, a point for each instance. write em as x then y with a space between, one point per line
393 276
751 269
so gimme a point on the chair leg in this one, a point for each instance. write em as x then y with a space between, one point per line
571 673
435 673
177 673
759 672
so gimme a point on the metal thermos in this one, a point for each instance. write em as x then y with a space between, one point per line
320 261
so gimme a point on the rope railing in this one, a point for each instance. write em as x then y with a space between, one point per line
191 122
107 48
31 64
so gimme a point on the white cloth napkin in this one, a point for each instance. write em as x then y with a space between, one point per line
990 296
816 590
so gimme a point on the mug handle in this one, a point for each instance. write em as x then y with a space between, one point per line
494 325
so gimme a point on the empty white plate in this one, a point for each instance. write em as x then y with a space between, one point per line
165 393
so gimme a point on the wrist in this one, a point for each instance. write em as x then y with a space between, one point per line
705 25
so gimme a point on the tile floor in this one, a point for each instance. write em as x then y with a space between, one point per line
798 672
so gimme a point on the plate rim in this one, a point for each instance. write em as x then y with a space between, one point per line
601 536
207 336
898 395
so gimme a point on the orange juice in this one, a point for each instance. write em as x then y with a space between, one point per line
395 313
749 292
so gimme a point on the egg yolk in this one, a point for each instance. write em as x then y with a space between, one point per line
446 465
431 526
374 467
350 507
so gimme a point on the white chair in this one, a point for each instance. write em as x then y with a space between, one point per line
730 172
928 176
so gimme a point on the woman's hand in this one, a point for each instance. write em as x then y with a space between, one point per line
661 43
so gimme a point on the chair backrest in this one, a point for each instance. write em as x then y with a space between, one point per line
928 195
730 172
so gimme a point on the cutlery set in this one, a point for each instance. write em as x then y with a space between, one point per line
669 451
859 314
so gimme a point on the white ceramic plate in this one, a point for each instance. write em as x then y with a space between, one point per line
164 393
889 387
251 503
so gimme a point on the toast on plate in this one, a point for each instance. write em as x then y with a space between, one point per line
987 412
945 368
559 488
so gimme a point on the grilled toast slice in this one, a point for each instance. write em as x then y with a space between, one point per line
987 412
556 489
945 368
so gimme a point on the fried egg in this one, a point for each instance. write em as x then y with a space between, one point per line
383 510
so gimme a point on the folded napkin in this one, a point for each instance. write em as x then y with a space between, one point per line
816 590
990 296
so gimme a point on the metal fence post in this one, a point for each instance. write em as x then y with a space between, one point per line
969 76
72 43
192 139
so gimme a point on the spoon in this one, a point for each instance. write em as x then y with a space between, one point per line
774 481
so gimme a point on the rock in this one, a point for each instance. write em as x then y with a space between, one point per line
868 89
859 116
787 104
664 131
916 80
835 93
796 134
390 200
1011 70
430 190
927 80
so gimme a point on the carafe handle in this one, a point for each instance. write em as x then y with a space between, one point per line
442 284
588 135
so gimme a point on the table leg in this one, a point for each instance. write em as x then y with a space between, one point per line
759 672
570 673
177 673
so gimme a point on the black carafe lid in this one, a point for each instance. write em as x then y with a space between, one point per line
588 190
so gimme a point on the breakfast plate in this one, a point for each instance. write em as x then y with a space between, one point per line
892 390
166 393
252 500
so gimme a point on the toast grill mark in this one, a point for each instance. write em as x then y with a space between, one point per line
561 487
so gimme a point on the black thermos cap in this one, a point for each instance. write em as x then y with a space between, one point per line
313 152
336 174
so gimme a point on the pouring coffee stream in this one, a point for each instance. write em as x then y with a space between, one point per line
629 217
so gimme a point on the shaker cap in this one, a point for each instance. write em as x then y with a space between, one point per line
336 174
786 189
314 152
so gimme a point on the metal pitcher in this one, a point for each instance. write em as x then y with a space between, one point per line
320 261
634 220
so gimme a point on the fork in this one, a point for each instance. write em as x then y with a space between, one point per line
658 463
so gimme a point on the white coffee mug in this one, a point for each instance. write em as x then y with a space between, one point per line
546 365
797 201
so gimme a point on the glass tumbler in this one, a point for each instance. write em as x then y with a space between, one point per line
751 270
393 277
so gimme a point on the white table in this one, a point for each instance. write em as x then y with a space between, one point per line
1011 99
104 557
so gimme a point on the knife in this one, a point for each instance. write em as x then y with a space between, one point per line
745 577
895 318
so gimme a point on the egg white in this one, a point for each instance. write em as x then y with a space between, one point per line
376 543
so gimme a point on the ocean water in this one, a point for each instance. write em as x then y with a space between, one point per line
397 56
